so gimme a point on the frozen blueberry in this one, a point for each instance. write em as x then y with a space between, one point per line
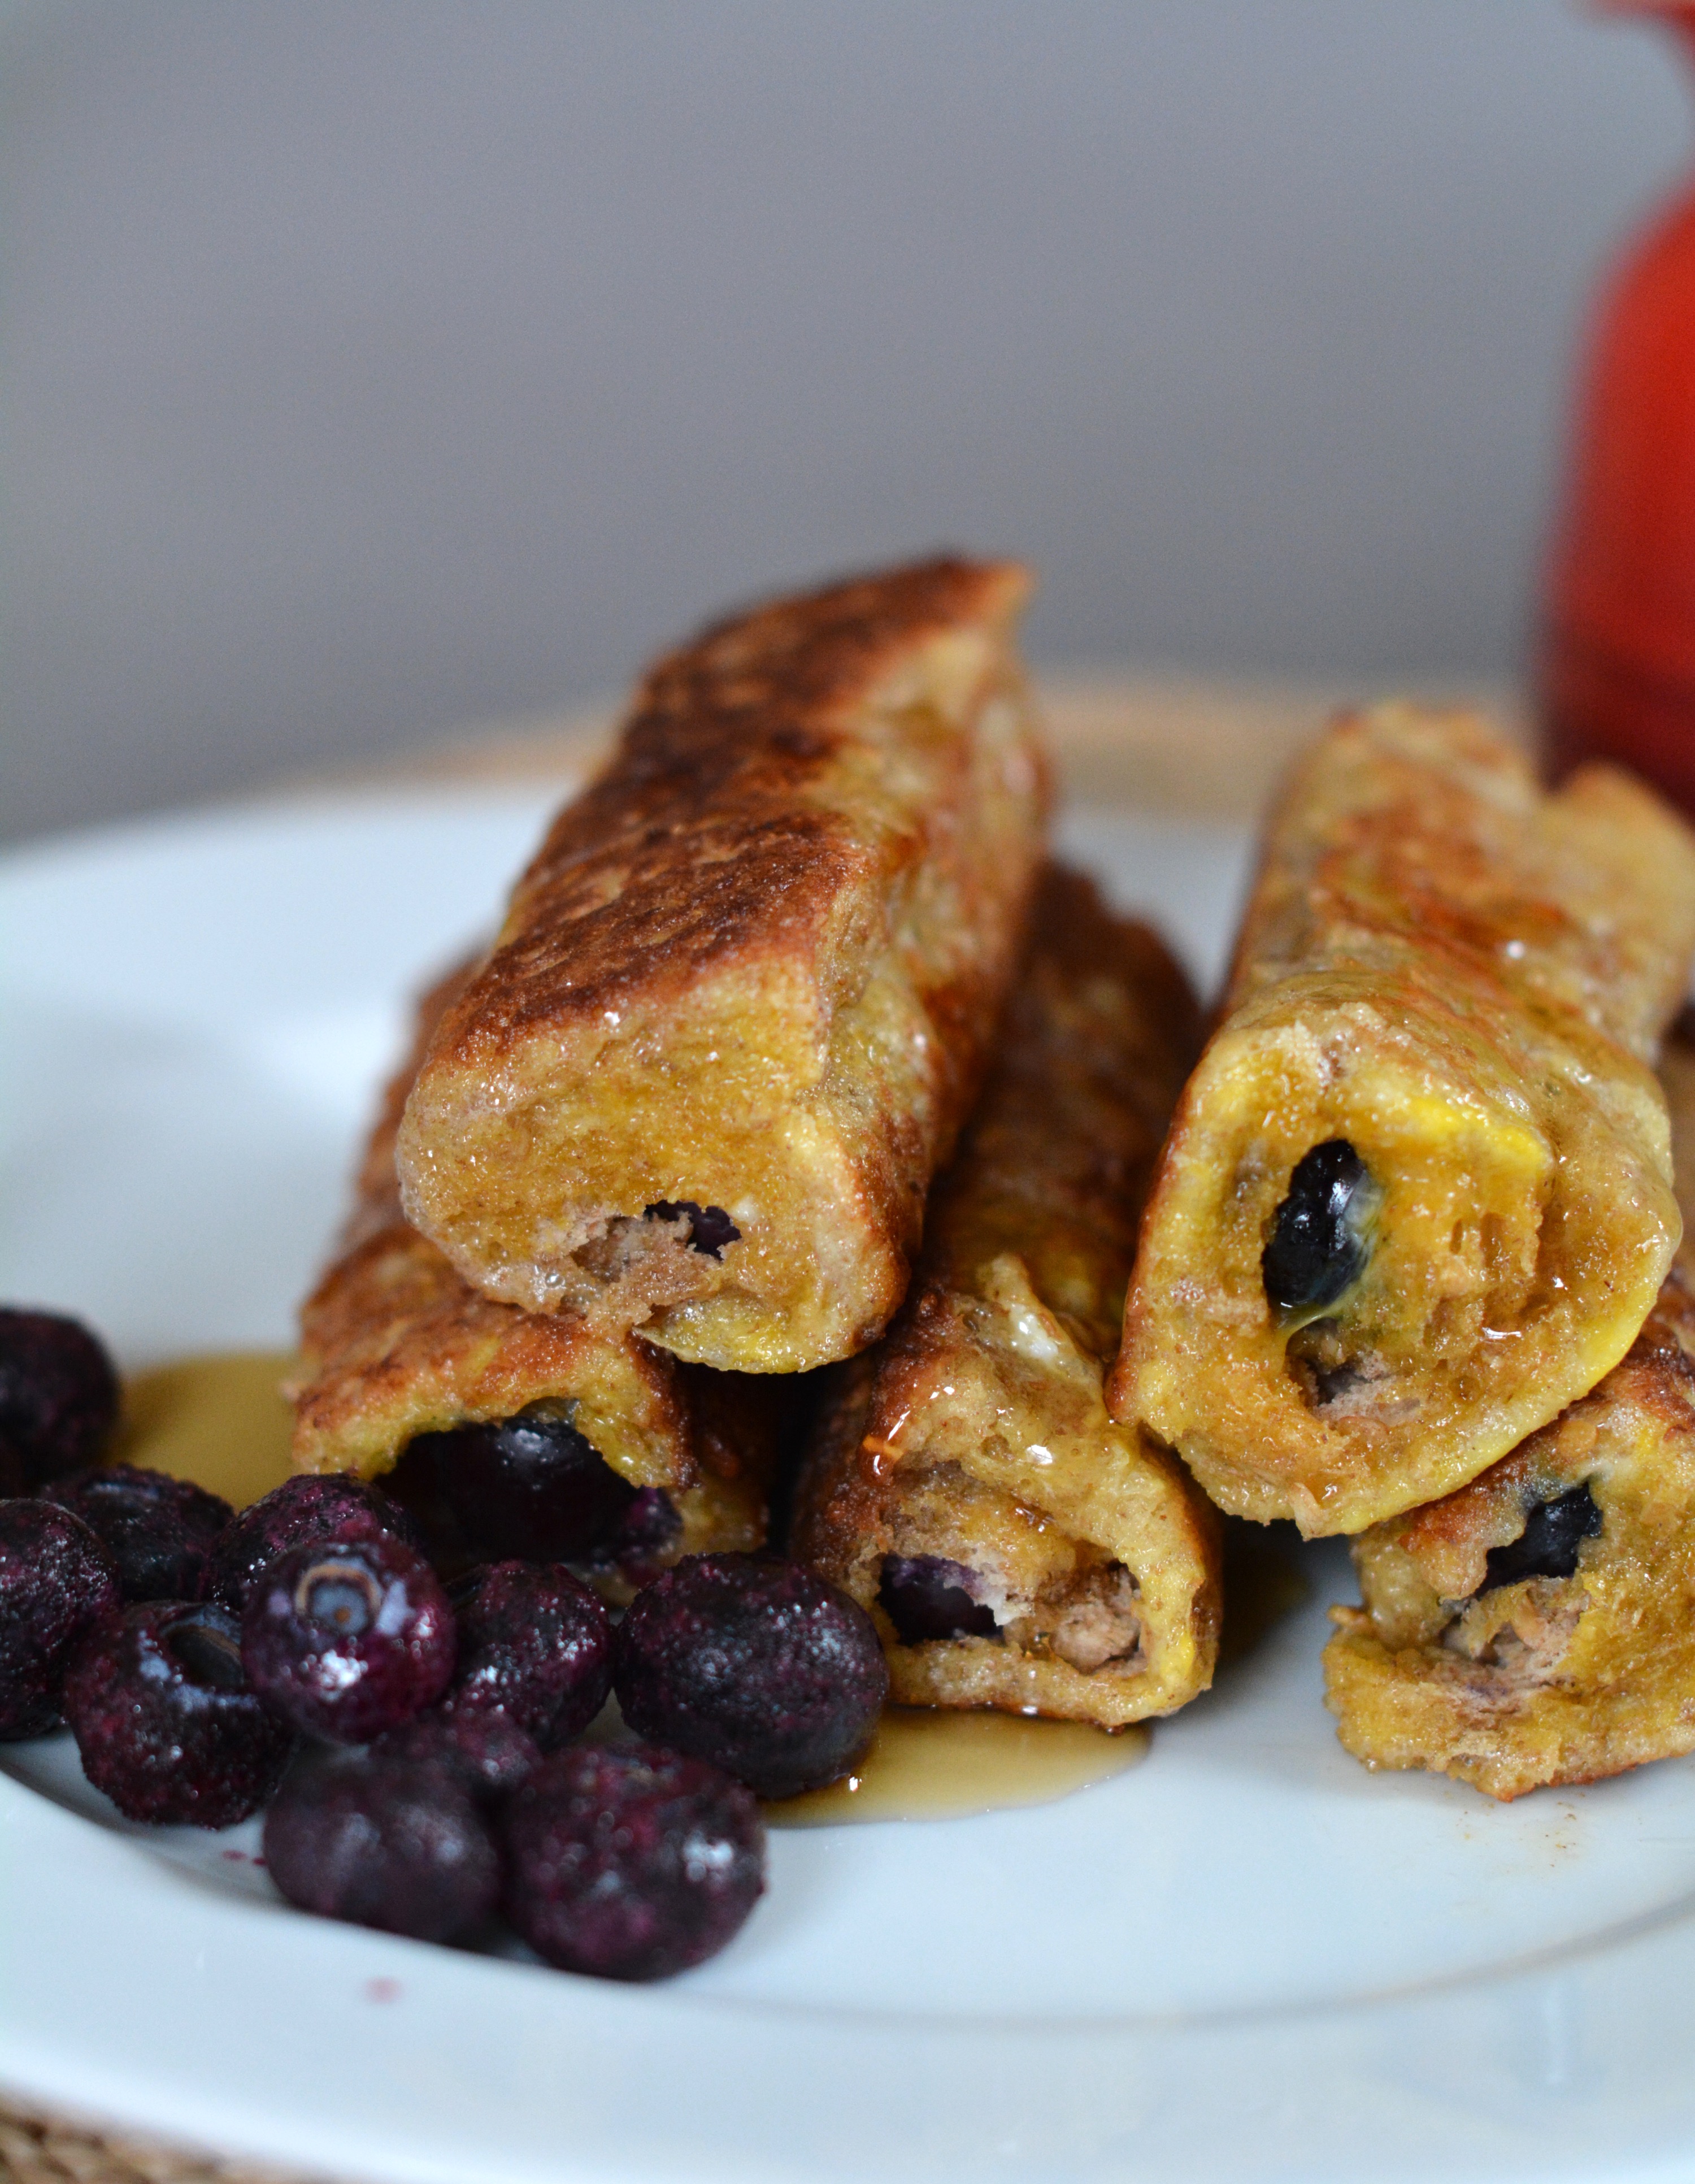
534 1643
349 1637
755 1665
487 1751
530 1486
1322 1238
59 1394
927 1596
165 1721
1547 1546
160 1531
645 1541
56 1579
332 1505
629 1863
384 1840
415 1485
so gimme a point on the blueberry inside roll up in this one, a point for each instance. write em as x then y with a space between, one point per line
743 997
1016 1549
1418 1195
516 1433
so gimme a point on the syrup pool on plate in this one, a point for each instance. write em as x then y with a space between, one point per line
925 1765
220 1420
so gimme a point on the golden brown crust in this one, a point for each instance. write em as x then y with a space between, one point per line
395 1343
1514 1685
976 1431
1462 977
754 967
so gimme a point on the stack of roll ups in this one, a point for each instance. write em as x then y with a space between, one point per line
794 1052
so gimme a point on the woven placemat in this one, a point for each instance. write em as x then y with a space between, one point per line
1193 748
36 2149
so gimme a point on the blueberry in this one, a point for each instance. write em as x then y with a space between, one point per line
535 1645
487 1751
383 1841
927 1596
349 1637
645 1541
56 1579
59 1394
530 1486
414 1484
1322 1238
160 1531
628 1863
710 1228
1547 1546
755 1665
332 1505
165 1721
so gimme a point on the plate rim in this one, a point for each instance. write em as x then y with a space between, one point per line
1197 2051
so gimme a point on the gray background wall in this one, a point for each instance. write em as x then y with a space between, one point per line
372 365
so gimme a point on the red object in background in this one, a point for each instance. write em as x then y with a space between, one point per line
1618 668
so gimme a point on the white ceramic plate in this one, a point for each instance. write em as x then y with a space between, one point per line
1246 1959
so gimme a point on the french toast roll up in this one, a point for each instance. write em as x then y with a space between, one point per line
742 996
638 1458
1538 1625
1417 1196
1016 1549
